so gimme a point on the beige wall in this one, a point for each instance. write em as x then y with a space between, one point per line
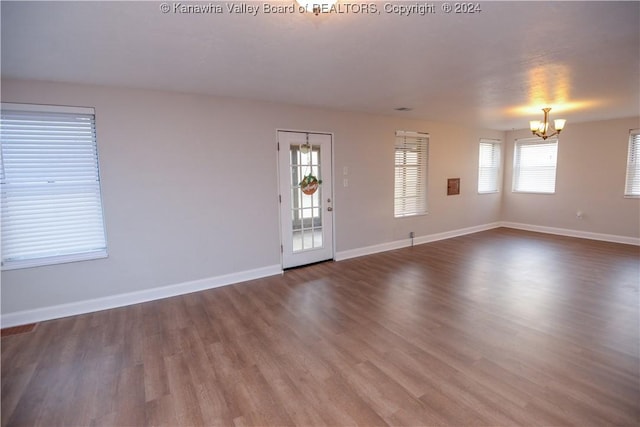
179 175
590 177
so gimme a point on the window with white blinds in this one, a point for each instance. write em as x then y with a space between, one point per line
489 166
632 186
50 186
534 165
411 158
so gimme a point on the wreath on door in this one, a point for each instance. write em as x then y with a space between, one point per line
310 184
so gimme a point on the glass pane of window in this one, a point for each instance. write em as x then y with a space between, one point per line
535 163
306 208
410 178
51 202
632 186
489 166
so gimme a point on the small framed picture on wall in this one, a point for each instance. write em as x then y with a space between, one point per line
453 186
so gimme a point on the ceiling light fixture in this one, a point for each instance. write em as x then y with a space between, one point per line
318 6
543 130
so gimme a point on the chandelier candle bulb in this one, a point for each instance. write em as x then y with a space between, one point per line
534 125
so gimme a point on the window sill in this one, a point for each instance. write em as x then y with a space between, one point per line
533 192
410 216
62 259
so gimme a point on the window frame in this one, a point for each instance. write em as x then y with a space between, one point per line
496 144
420 142
517 168
61 182
633 166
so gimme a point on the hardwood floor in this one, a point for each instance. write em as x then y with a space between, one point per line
502 327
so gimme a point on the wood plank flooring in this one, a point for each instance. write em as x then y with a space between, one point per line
499 328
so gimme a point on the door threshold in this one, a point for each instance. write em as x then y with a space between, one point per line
307 265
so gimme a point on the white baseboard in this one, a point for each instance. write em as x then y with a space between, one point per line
455 233
121 300
368 250
573 233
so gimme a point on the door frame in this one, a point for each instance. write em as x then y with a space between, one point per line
278 189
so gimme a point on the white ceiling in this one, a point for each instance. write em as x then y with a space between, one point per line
495 68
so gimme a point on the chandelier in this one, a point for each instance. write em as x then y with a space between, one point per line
542 128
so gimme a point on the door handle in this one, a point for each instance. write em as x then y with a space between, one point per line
330 209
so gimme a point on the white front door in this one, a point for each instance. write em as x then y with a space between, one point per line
306 215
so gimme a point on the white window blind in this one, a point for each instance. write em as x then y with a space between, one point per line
489 166
534 165
411 159
50 195
632 186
